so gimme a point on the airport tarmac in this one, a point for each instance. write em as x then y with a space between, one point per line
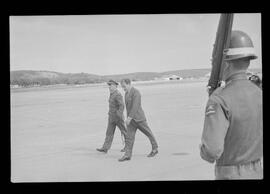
55 133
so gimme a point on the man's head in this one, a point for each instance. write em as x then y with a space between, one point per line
126 84
112 85
239 54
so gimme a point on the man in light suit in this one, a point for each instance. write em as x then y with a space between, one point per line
135 120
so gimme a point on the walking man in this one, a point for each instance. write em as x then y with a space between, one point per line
233 131
135 120
116 116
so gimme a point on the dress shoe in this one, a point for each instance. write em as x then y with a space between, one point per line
153 153
124 158
102 150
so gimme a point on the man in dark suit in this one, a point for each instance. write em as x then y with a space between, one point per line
116 116
135 120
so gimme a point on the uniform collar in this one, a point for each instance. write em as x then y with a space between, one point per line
237 76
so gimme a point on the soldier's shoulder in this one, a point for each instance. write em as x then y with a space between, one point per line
218 95
219 91
227 88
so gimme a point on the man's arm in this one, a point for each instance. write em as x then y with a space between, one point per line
136 100
215 128
121 105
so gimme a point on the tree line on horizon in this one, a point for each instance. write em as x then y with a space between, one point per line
25 78
31 78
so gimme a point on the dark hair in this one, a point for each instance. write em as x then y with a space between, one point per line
126 80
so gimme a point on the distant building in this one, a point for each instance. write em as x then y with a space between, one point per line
14 86
172 77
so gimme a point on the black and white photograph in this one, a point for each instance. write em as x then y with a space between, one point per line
136 97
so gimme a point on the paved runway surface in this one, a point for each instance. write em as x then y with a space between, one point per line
55 133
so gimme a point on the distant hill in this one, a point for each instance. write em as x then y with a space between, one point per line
188 72
138 76
29 77
32 78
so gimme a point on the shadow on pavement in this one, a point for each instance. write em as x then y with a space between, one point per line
180 154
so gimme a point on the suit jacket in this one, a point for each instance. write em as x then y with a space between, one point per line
116 106
133 105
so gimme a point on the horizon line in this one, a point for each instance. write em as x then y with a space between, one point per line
121 73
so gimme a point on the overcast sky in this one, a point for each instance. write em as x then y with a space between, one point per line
116 44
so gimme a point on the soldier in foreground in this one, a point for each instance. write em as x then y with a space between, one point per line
233 131
135 120
116 117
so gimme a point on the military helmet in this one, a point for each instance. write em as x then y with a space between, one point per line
240 46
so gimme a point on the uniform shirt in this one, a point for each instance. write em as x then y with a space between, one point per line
133 105
116 104
233 130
